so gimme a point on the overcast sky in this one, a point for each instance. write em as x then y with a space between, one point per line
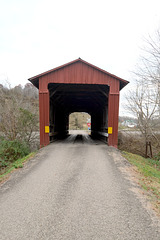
38 35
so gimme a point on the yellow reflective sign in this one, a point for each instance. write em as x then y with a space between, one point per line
109 130
46 129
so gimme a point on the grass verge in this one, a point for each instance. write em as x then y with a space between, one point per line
149 176
17 164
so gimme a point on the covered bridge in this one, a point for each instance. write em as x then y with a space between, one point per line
78 86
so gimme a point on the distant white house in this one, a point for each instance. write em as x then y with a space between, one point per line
129 123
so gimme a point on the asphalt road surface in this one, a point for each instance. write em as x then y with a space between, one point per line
75 189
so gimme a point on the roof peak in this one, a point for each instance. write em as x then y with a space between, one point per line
72 62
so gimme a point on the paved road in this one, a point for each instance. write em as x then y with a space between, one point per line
74 190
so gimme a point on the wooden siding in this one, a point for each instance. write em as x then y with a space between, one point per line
78 73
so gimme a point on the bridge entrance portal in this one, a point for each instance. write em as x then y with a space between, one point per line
78 86
69 98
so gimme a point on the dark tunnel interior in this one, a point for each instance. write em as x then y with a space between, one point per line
68 98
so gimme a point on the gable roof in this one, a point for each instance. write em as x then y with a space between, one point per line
34 80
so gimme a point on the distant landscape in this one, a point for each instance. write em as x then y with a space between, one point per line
78 121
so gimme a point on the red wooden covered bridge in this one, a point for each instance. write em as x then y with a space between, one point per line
78 86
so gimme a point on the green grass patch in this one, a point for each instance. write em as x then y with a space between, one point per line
149 175
16 164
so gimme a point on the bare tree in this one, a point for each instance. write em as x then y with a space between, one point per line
144 100
148 68
18 114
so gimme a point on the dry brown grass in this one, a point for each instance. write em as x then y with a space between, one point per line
135 143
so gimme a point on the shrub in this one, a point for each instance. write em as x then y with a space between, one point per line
131 142
134 142
3 163
12 150
157 157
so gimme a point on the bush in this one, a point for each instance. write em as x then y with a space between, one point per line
134 142
11 151
157 157
3 163
130 142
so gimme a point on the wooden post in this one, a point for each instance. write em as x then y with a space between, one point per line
44 117
148 144
113 114
151 149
